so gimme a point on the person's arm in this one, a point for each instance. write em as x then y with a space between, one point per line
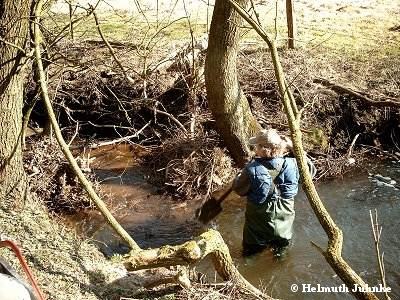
241 184
288 180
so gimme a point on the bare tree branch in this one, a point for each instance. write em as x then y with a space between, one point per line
377 231
64 147
341 89
333 254
110 48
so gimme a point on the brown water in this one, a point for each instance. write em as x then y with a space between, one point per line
154 220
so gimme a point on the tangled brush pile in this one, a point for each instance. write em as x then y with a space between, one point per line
189 167
52 180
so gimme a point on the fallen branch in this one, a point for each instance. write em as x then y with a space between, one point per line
115 44
341 89
209 243
119 140
166 276
161 112
350 151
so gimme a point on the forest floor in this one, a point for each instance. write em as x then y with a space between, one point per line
346 42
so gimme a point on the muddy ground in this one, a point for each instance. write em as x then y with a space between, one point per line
348 43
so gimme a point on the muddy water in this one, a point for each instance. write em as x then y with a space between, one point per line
152 219
155 220
349 201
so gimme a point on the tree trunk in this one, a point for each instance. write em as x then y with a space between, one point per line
226 100
14 22
290 23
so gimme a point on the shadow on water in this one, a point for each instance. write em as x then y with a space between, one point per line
155 220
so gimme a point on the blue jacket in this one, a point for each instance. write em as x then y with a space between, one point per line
258 175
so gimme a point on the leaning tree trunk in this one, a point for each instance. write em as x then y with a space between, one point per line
333 253
14 22
226 100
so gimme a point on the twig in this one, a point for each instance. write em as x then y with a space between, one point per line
110 48
75 134
350 151
121 105
60 35
274 124
12 45
121 139
377 231
255 12
210 181
109 126
319 248
192 89
171 117
275 20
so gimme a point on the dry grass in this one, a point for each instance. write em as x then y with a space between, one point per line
222 291
66 267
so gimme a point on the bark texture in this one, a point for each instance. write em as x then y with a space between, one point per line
14 22
333 253
226 100
191 252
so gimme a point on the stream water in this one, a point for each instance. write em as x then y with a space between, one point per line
154 220
348 200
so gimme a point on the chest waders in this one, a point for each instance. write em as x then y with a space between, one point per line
271 221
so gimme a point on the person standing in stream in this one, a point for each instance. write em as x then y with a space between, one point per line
270 183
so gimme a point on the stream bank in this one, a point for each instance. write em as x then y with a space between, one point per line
94 101
154 220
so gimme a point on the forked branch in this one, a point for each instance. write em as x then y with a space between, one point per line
209 243
333 253
377 231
